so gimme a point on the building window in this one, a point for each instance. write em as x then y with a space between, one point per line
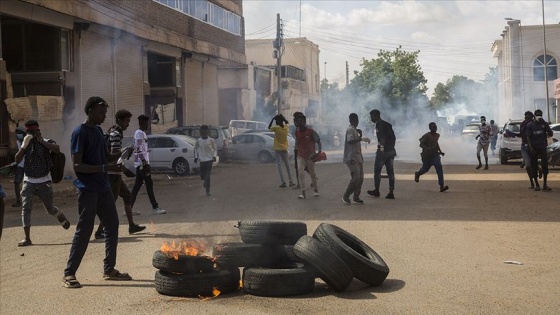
207 12
551 68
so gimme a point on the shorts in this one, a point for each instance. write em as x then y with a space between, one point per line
18 175
119 189
2 193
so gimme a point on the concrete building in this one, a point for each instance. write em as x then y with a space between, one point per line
154 57
521 70
301 89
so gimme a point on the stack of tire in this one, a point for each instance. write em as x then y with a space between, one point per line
280 259
191 276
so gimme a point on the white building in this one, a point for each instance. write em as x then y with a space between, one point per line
521 69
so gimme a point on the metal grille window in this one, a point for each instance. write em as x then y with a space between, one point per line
551 68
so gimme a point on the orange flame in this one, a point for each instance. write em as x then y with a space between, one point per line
189 248
215 293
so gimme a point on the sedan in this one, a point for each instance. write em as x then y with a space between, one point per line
553 153
254 146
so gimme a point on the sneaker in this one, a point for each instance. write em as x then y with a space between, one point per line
416 177
486 167
135 228
546 188
537 188
159 211
316 194
479 166
358 201
390 196
292 185
443 188
374 193
346 200
283 185
522 165
302 195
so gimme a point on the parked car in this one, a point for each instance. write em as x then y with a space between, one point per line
556 132
220 134
470 131
169 152
510 141
237 127
553 153
253 146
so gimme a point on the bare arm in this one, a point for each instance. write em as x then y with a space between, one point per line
80 167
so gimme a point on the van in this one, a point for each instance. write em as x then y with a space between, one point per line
240 126
220 134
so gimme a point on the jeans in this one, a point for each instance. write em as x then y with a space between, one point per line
141 177
282 156
355 185
90 204
205 171
44 192
386 158
427 164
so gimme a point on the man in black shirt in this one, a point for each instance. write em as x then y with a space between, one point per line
385 153
431 156
537 132
525 147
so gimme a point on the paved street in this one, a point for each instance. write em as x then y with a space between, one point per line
446 251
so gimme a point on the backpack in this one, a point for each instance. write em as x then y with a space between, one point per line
58 162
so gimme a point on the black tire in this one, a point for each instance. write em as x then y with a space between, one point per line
197 284
329 267
364 262
287 281
264 157
253 255
503 157
272 232
181 167
184 263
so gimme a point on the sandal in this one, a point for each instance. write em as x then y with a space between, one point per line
115 275
63 221
24 242
71 282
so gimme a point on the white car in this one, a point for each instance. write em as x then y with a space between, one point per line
169 152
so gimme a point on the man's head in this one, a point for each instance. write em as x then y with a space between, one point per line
143 122
32 127
20 133
354 121
279 119
492 122
529 115
538 114
375 115
96 110
123 118
433 127
483 120
204 130
299 120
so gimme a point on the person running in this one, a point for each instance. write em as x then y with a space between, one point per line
537 132
19 171
142 165
37 180
525 147
205 150
385 154
89 156
281 147
354 160
494 137
431 152
485 132
307 141
118 187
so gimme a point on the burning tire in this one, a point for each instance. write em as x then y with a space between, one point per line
328 265
364 262
184 264
291 280
201 284
252 255
272 232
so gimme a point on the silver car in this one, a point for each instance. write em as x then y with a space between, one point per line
510 141
258 146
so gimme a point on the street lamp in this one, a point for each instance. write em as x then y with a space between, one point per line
545 63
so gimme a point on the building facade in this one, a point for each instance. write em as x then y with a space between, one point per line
521 70
154 57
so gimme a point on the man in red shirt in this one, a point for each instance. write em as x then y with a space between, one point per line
306 138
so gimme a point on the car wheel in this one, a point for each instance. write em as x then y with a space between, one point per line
265 157
181 167
503 156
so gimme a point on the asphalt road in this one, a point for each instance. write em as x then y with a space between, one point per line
446 251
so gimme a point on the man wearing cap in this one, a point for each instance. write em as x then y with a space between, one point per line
37 179
525 147
537 132
485 132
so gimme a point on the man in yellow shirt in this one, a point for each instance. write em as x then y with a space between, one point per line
281 147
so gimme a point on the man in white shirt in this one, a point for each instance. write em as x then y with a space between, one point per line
142 165
205 151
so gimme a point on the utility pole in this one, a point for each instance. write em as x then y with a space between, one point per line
545 61
347 74
278 45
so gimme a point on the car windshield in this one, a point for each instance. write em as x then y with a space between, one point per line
471 128
513 127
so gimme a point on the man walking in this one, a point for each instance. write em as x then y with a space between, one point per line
537 132
431 156
485 132
385 154
281 147
118 187
354 160
142 165
525 147
37 180
306 139
494 137
89 157
205 151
